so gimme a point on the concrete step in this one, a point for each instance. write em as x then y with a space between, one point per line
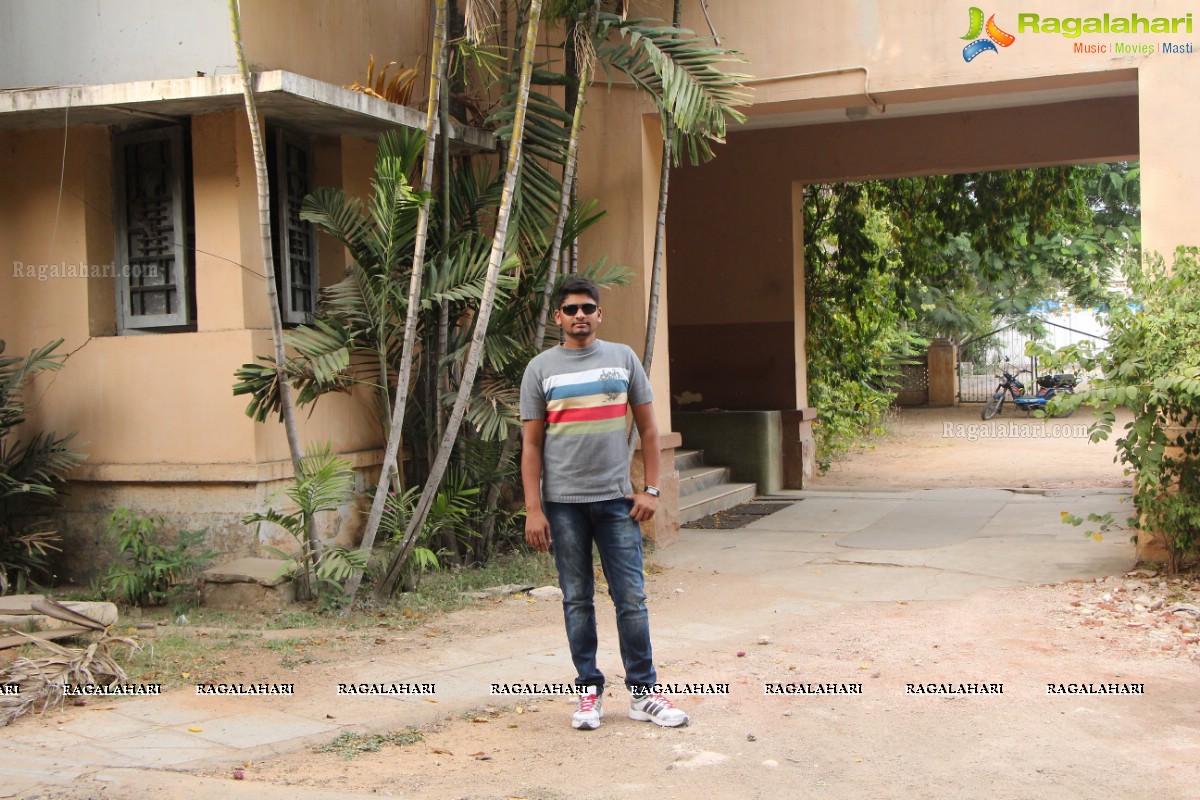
714 499
694 479
688 459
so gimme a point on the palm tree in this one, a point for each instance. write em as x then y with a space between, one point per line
31 471
437 76
264 218
360 317
499 243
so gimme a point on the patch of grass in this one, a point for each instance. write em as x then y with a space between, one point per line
179 659
283 645
299 619
348 745
442 592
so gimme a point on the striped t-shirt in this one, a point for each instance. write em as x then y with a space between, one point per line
583 395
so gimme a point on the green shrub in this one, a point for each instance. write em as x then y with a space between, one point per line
150 571
325 482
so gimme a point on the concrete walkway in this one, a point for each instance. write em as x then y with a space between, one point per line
827 549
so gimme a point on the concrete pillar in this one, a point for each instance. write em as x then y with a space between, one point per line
229 261
663 530
1168 118
799 447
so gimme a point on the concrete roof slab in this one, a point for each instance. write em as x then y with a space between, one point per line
310 105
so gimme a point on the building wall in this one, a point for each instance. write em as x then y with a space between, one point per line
66 42
155 412
333 41
737 227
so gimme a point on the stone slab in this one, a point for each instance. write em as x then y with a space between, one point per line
241 596
257 728
161 748
19 602
264 571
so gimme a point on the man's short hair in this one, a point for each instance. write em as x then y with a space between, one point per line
576 284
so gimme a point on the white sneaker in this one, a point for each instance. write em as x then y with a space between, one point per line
587 716
658 709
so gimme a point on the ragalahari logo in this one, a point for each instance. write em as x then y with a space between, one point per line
994 37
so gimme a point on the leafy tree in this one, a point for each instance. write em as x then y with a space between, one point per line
893 262
1151 365
496 259
858 337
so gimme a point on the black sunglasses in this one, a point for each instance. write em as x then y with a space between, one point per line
571 309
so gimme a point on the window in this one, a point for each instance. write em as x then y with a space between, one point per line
293 240
153 222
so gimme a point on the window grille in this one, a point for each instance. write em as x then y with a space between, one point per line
152 249
293 239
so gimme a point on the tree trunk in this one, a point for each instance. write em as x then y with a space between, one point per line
441 378
576 100
436 76
568 185
264 219
660 239
421 512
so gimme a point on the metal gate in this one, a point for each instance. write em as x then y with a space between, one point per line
981 359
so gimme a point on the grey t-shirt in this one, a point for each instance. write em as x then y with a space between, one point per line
583 395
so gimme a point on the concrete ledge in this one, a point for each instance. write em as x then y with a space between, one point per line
748 442
316 105
208 473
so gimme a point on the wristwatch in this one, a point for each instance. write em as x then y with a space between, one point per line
651 490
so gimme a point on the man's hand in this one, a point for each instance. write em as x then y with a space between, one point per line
644 506
537 530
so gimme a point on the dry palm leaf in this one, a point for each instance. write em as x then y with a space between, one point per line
42 682
397 90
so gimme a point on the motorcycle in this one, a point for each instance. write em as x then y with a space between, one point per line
1011 387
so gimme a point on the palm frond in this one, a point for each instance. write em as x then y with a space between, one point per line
478 17
35 466
341 216
681 72
461 275
474 195
289 522
394 204
325 482
43 681
324 359
493 409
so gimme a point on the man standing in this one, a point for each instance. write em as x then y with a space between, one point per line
575 470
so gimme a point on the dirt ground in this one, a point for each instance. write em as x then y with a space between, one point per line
952 447
882 743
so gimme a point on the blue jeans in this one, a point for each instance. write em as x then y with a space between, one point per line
573 528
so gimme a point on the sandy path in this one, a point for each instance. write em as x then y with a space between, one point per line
953 447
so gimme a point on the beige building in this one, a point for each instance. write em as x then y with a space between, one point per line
133 138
